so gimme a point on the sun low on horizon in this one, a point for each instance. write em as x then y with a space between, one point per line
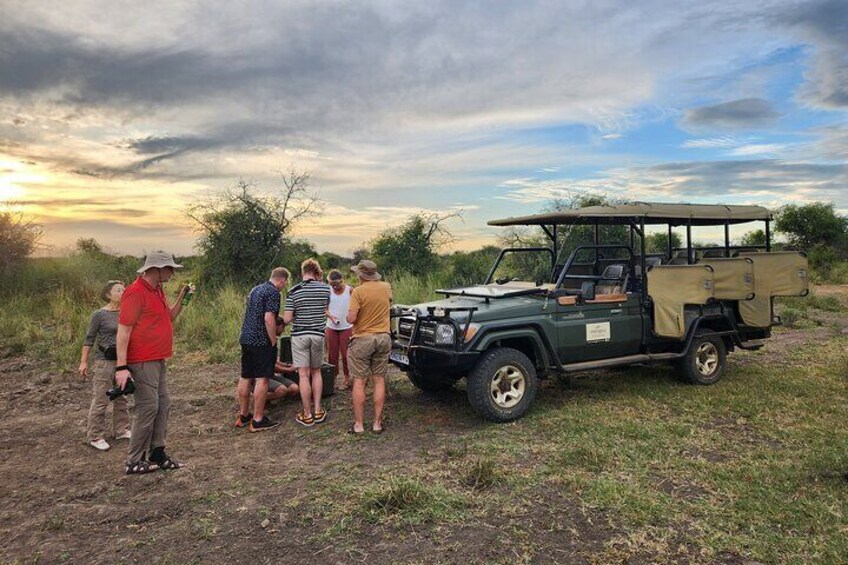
115 120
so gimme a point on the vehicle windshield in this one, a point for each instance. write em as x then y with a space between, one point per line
531 264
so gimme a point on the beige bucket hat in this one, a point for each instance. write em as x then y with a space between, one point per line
367 270
158 260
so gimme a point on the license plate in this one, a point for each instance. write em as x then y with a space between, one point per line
399 357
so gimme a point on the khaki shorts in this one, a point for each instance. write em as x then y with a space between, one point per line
307 351
369 355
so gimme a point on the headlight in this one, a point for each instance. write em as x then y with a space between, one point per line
445 334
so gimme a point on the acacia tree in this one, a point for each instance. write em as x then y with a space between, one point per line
412 247
243 235
811 225
19 237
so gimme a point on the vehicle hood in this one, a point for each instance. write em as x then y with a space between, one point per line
495 309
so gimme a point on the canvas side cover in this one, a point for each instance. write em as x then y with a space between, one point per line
733 279
775 274
673 286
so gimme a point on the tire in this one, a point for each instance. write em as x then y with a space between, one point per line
706 360
502 385
427 382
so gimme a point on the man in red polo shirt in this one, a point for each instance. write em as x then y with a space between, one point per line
145 340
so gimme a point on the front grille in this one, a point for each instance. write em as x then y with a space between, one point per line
427 333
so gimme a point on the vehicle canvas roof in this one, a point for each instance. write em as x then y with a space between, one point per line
653 213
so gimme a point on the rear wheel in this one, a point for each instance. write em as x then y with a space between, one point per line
706 360
502 385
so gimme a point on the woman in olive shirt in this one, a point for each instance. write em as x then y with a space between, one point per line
103 329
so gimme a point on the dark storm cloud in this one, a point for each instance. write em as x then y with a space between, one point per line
746 112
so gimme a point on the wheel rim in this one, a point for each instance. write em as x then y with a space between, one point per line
508 386
706 358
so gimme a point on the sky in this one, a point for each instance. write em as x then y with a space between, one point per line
116 117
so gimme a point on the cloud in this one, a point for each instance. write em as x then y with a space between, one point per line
711 143
743 113
823 25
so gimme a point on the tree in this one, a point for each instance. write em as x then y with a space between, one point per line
412 247
658 242
809 225
244 235
89 246
753 238
19 237
471 267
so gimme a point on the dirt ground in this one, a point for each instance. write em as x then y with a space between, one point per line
66 502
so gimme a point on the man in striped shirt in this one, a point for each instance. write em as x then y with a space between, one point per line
306 306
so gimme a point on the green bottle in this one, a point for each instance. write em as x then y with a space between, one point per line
189 293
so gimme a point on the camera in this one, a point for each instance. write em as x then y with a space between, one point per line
116 392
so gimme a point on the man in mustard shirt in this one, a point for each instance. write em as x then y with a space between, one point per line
368 354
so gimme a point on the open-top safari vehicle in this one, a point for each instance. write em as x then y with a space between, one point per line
610 303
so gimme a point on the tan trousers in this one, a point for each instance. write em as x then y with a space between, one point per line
152 406
103 378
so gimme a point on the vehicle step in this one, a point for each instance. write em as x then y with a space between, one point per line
602 363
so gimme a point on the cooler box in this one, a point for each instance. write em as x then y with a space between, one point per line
327 371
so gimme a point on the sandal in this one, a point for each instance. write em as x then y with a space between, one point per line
168 464
319 416
352 431
140 468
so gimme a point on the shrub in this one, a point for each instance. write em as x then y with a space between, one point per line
790 317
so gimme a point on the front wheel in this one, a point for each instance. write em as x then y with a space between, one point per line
706 360
502 385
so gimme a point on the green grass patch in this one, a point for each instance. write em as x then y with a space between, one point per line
410 500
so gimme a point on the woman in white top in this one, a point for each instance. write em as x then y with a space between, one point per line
338 330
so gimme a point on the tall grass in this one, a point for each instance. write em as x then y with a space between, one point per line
47 304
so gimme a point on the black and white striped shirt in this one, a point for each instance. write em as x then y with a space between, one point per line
308 300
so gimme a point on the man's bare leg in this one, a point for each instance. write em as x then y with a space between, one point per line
260 392
359 404
379 400
305 390
243 391
317 388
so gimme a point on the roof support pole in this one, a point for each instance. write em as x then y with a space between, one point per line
643 247
689 258
670 234
597 242
727 239
768 236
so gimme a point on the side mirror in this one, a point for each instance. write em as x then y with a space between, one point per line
587 290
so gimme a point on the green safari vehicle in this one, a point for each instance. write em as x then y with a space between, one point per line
609 304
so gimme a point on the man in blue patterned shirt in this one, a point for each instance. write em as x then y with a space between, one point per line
259 350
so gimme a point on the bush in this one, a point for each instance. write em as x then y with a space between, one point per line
790 317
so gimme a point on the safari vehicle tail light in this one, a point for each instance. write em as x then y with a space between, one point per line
445 334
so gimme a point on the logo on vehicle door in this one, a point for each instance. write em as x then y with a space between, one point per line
596 333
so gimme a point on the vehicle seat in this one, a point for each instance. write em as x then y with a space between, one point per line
613 280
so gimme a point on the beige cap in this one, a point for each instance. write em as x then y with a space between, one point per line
158 260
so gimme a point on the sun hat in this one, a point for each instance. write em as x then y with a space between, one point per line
367 270
158 260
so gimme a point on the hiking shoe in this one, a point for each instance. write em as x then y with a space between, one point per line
320 416
243 421
264 424
304 420
126 435
99 444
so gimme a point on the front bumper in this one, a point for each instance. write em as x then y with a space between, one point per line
423 358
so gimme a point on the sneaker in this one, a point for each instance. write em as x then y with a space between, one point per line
264 424
243 421
304 420
99 444
320 416
126 435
